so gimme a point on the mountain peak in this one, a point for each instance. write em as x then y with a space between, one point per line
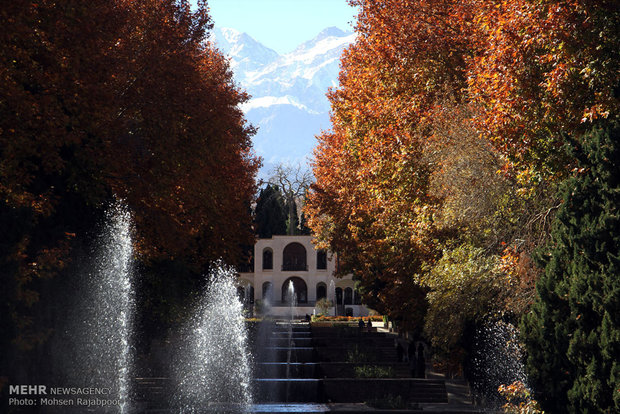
288 103
330 32
329 38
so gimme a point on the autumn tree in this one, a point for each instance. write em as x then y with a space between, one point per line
372 201
466 285
115 99
543 69
438 178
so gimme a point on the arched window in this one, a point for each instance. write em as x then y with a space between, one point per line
268 291
321 260
339 296
357 299
348 296
321 290
294 257
300 289
267 259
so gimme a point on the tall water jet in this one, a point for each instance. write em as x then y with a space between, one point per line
212 367
498 359
292 301
101 331
263 345
332 295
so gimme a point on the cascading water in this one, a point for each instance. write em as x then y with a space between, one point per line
101 332
212 368
292 301
498 359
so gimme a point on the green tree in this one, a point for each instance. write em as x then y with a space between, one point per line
465 285
270 215
294 181
573 330
292 221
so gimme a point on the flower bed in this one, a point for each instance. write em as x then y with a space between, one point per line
322 318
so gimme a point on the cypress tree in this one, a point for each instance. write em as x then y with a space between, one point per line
292 222
573 329
270 215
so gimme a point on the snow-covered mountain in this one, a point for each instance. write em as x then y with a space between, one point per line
288 102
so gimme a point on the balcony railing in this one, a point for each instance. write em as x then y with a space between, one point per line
311 303
287 267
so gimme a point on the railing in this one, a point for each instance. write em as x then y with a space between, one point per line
287 304
294 267
340 307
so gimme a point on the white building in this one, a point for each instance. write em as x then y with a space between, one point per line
280 260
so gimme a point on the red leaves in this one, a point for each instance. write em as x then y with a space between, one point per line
121 98
400 166
534 75
371 200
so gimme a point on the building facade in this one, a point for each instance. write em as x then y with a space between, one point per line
282 261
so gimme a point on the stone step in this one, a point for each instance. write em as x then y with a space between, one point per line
284 370
153 392
360 355
286 354
371 389
380 341
295 341
288 390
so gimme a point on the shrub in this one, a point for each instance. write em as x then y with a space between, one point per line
519 400
324 305
360 355
373 371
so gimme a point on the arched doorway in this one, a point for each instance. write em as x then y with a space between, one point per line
321 290
339 296
348 296
268 291
246 294
294 257
301 290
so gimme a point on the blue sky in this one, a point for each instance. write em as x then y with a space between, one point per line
282 24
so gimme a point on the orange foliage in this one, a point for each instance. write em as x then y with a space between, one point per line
371 201
543 68
139 107
526 72
102 99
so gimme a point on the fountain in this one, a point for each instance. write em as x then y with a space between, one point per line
497 359
212 367
287 376
99 337
332 294
292 301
